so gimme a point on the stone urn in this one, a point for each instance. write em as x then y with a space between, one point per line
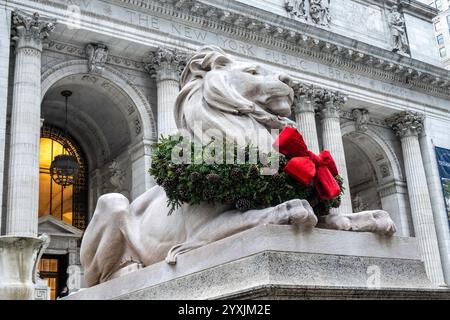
18 261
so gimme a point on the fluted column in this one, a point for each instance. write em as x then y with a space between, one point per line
166 65
5 36
408 126
29 31
329 104
305 116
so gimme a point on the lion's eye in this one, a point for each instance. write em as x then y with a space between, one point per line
251 71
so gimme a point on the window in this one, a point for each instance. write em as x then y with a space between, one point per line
442 52
53 269
440 39
437 26
48 270
68 204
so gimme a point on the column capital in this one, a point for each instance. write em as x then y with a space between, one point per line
406 123
165 63
303 98
29 30
329 102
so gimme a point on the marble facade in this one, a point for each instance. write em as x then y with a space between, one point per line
356 96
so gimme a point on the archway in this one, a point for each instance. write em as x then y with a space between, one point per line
111 119
375 176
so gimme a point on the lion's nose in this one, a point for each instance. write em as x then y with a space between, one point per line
286 79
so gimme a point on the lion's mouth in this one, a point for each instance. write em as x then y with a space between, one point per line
280 103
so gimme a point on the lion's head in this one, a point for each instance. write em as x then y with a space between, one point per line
231 96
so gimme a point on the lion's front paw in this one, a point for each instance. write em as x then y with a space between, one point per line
297 212
377 221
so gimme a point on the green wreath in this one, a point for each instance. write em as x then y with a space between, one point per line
239 185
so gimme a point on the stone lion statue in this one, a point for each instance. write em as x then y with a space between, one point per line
235 97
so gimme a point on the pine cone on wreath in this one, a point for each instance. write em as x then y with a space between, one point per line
236 174
179 169
213 177
195 176
243 205
168 184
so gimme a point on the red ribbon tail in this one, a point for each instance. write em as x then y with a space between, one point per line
329 162
325 184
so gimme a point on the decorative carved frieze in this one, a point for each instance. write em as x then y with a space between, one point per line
81 52
319 11
165 63
316 11
97 55
296 9
292 40
397 26
30 30
361 117
406 123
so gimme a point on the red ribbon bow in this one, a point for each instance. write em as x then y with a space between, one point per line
305 166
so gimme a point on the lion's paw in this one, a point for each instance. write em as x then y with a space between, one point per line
297 212
377 221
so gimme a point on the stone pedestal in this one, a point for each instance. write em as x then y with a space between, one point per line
18 261
272 261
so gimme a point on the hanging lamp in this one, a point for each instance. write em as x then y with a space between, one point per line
64 169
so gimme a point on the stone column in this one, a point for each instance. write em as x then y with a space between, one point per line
23 182
165 65
305 116
437 200
5 36
408 125
329 104
141 161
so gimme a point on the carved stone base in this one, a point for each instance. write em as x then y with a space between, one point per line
18 259
282 262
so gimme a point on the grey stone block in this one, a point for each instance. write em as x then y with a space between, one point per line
280 262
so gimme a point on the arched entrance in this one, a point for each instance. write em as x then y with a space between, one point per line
110 130
112 121
375 177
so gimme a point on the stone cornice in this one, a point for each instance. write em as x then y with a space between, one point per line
285 34
282 33
371 120
417 8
